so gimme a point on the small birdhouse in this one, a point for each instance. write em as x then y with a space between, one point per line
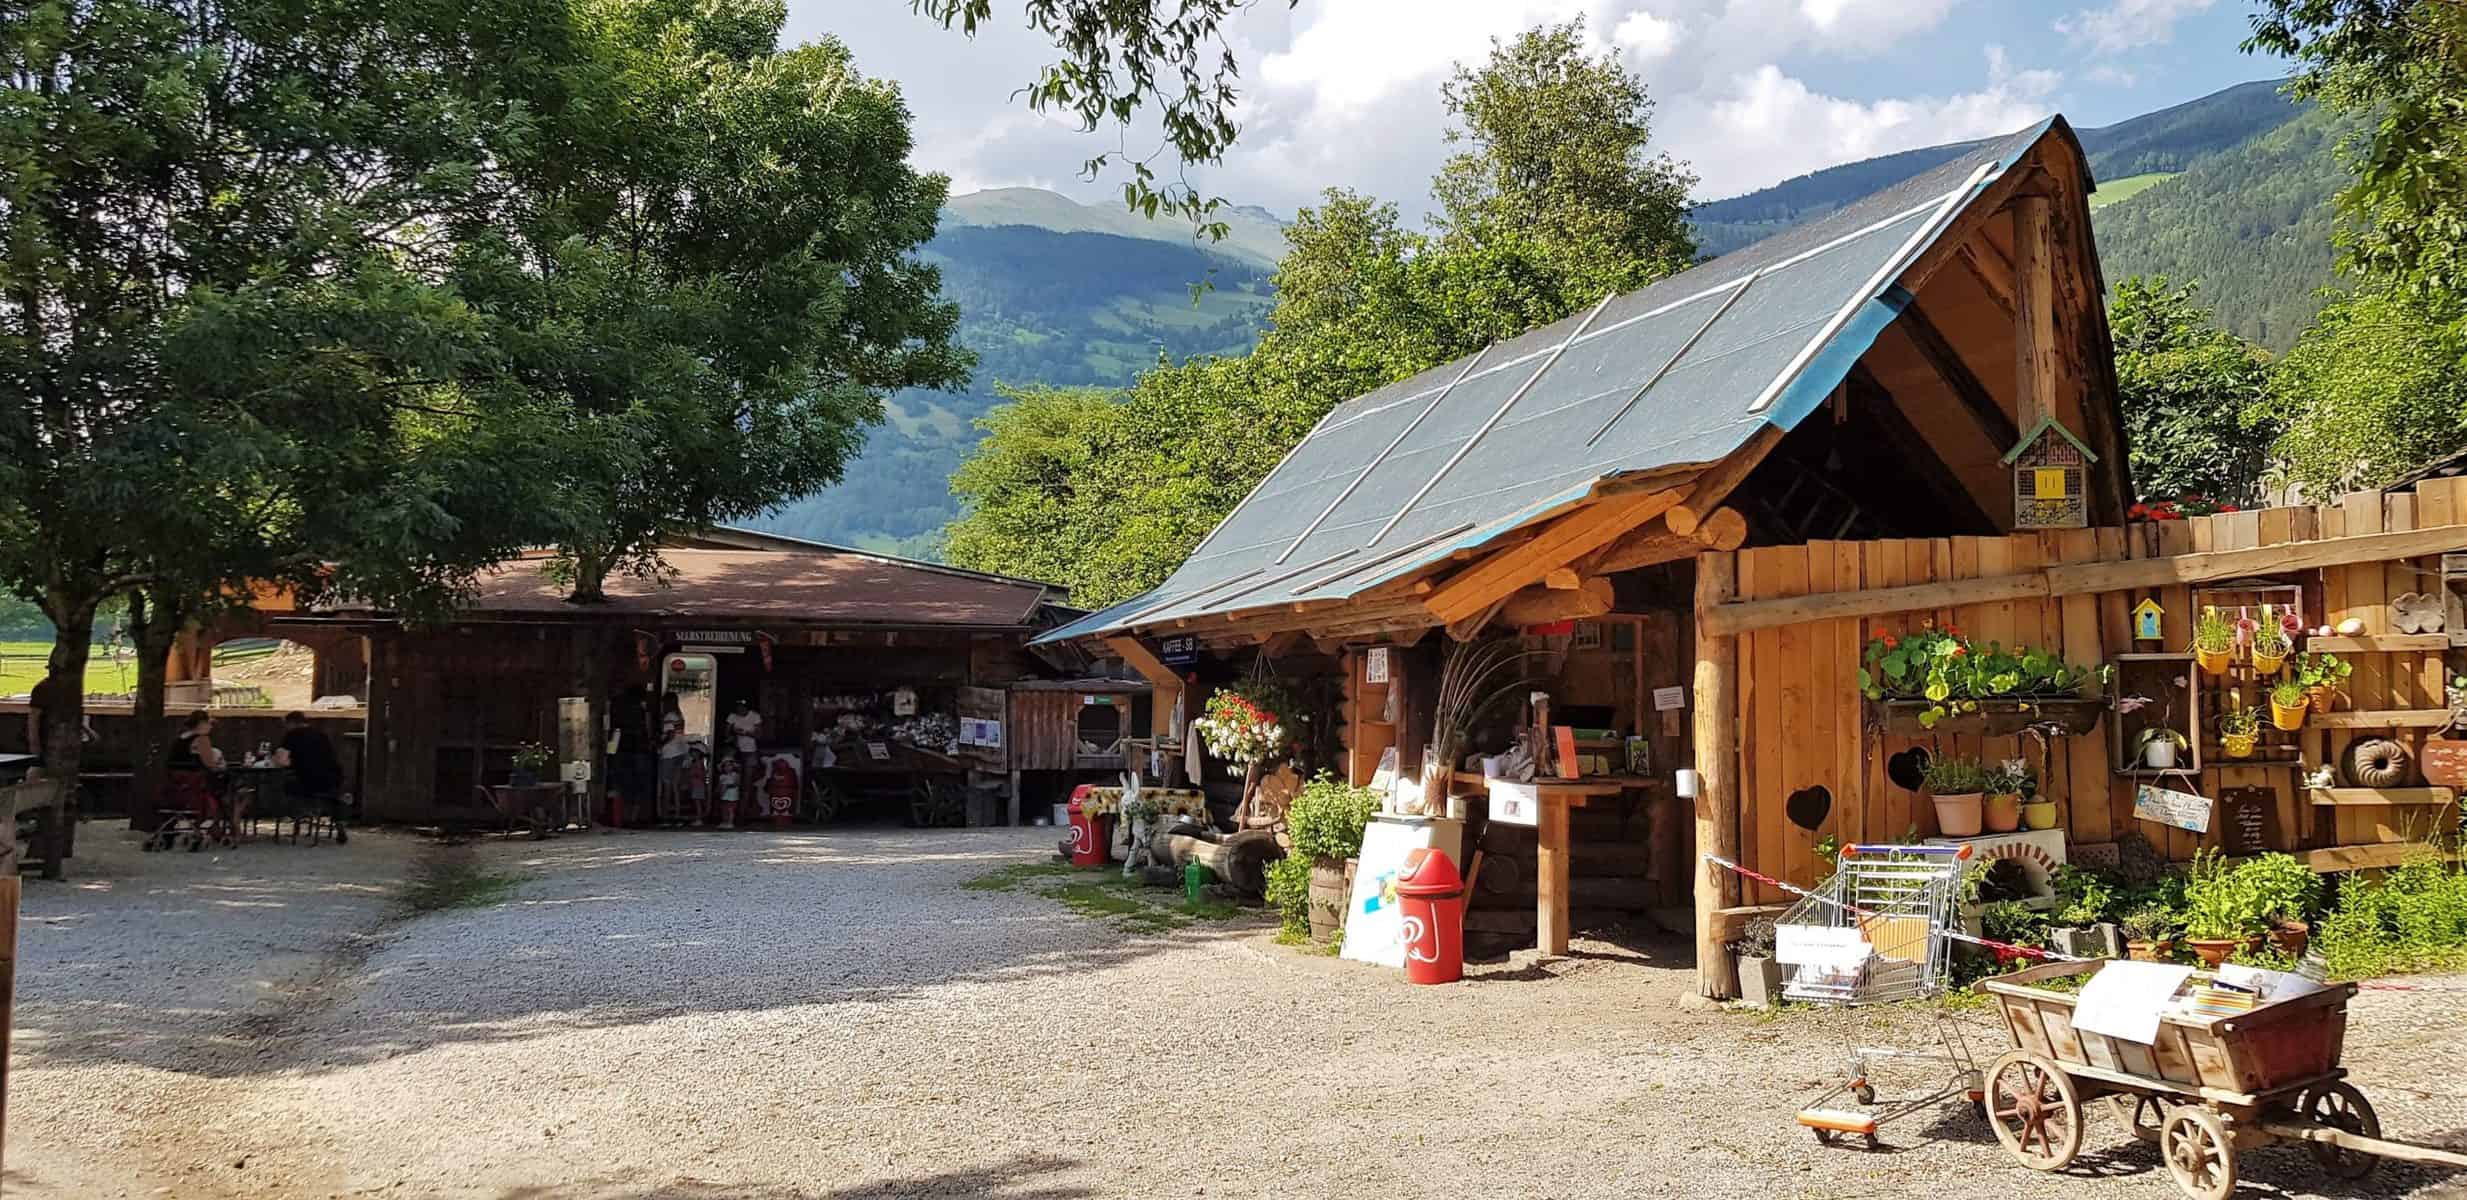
2147 617
2051 488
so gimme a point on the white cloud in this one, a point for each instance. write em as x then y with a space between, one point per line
1645 38
2128 24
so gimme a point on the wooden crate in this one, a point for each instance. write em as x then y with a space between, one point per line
2232 1059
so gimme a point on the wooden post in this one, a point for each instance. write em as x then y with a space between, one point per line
1014 813
1550 896
11 887
1717 756
2034 321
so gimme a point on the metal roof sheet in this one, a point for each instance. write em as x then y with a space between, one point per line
1679 373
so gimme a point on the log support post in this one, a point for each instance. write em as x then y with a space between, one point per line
1717 794
2034 319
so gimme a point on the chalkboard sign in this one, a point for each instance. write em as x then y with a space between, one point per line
2246 817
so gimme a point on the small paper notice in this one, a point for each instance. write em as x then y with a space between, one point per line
1515 803
2124 999
2268 985
1666 699
1836 950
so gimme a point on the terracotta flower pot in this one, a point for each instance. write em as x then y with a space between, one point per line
2158 951
2291 937
2039 814
2290 719
2239 745
2214 952
1957 815
2214 661
2323 697
2268 664
2002 812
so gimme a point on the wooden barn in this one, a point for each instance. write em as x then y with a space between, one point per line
1699 504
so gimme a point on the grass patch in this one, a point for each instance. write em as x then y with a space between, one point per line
452 885
2116 191
1105 895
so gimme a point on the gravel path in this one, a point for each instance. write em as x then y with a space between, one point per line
762 1015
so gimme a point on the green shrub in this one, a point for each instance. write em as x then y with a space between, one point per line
2285 889
2083 897
2412 919
1289 890
1326 820
2221 901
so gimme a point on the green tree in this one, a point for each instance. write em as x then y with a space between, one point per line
2191 394
222 350
704 262
2368 394
2402 66
1554 203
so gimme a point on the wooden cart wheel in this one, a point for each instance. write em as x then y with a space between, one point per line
2198 1153
2143 1114
821 801
2035 1111
2340 1106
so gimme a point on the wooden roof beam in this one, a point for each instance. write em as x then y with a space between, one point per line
1988 265
1994 424
1712 487
1567 539
1655 543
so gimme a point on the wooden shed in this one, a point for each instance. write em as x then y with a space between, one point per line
1753 468
1048 734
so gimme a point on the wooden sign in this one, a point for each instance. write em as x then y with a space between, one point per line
2444 761
2167 806
2247 817
2148 622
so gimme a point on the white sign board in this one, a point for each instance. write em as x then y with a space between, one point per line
1513 803
980 731
1667 698
2167 806
1840 949
1374 922
1375 665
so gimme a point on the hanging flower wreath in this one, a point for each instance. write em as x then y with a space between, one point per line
1247 723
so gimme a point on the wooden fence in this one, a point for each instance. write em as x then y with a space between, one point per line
1802 723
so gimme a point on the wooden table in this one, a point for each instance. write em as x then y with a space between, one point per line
1557 796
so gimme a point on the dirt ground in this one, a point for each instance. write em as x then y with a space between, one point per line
708 1015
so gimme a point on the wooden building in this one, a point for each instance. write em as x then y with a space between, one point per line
1728 481
864 649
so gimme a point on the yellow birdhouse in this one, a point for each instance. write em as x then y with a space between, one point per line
2147 620
2050 478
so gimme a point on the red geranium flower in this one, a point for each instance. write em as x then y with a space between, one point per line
1891 641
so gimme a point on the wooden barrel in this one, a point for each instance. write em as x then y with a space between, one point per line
1327 898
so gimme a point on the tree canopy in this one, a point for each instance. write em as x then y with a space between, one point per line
2191 395
1362 300
2371 392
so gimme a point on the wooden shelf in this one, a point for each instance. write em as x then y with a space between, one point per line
2372 857
2380 643
2377 797
2394 718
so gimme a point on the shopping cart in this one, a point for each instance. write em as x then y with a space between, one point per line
1874 934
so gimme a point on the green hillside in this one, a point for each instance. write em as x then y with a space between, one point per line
2112 190
1038 306
2252 223
1252 235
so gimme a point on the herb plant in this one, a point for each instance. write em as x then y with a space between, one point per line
1953 775
2214 632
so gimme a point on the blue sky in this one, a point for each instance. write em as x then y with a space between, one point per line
1748 92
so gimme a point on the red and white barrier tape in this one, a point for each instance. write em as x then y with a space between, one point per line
2004 950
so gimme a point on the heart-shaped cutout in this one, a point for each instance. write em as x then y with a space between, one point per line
1908 769
1807 808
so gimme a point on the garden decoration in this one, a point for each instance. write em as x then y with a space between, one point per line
2288 705
2007 782
2239 727
2377 763
2214 640
2159 746
2321 674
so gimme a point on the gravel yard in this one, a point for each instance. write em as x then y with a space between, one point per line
761 1015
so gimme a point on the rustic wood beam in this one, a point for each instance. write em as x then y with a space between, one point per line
1717 794
1465 629
1563 578
2083 578
1989 266
1912 447
1716 483
1541 606
1948 247
1165 684
1994 424
1569 538
1726 529
2036 369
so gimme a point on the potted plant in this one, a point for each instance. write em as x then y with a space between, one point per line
2288 705
1246 724
1760 974
2038 812
2286 892
1325 821
2269 643
2001 808
2080 918
1956 784
2222 910
530 759
2214 640
2149 933
2160 746
2321 674
2239 727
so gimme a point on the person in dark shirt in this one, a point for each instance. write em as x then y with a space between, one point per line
316 773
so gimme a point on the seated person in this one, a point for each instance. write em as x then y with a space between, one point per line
194 757
316 772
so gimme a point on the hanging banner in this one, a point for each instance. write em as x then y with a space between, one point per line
2167 806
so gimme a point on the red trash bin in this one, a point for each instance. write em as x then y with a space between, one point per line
1087 847
1432 896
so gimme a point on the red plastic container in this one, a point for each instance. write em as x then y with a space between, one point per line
1087 845
1432 895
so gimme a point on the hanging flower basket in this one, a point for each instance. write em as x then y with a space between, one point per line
1246 724
1991 718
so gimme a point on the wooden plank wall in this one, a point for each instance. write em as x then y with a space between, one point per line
1804 726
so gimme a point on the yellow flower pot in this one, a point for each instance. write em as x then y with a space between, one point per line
2239 745
2039 814
2290 719
2268 664
2213 661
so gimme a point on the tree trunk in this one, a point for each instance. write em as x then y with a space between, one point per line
154 625
590 577
64 723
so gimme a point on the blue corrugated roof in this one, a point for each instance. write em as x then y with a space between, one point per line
1677 374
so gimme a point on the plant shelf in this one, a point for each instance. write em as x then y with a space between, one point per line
2395 718
2379 643
2375 797
1995 718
